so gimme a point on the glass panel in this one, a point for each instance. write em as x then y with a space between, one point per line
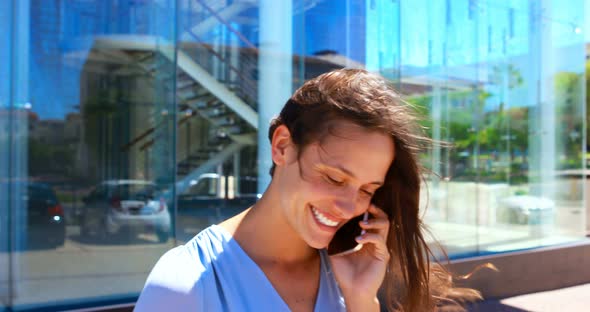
217 101
5 154
115 122
99 147
446 88
495 88
517 180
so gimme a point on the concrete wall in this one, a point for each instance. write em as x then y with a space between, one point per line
528 271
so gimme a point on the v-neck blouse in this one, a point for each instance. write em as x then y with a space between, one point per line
213 273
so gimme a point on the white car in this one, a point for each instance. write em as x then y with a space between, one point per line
128 206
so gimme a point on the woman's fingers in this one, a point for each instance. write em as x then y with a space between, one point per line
375 224
379 223
378 242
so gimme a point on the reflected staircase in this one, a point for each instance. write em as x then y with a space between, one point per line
209 81
213 74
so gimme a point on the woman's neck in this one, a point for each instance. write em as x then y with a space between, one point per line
266 236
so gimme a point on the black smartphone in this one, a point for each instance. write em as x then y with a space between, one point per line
344 242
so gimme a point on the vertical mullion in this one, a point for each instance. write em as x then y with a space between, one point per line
11 111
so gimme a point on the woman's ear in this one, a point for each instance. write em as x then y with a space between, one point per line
281 145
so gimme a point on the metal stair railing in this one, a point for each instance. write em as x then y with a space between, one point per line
244 87
203 103
227 24
229 66
232 65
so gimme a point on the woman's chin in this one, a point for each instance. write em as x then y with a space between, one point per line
318 244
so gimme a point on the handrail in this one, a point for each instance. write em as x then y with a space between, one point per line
247 86
228 25
138 138
152 141
148 132
222 59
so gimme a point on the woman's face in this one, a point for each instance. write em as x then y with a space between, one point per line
334 181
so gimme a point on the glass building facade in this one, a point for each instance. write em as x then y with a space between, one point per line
127 126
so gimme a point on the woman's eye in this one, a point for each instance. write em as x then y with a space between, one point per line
370 194
334 181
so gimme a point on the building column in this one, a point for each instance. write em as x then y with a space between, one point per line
18 134
275 78
542 113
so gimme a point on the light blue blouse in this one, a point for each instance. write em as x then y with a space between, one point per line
213 273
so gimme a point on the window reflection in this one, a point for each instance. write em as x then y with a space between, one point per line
213 198
45 216
124 208
134 124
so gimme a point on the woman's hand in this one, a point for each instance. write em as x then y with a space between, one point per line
361 273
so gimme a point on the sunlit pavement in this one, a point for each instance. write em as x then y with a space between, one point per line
571 299
461 239
83 269
467 238
80 270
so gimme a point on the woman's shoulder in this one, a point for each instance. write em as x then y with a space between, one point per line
179 276
192 259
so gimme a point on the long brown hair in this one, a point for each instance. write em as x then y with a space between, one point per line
413 282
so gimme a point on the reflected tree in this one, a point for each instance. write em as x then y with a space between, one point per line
568 97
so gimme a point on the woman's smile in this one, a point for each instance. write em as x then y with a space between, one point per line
323 218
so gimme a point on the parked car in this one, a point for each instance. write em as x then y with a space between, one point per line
45 216
536 212
125 206
217 197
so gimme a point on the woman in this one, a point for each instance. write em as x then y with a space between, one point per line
344 144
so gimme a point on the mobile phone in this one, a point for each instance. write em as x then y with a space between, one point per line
344 242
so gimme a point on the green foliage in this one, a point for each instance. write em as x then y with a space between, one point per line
568 102
587 76
422 106
476 133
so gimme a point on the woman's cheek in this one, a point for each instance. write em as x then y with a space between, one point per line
322 189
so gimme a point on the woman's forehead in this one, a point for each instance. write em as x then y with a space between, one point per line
344 129
363 153
345 134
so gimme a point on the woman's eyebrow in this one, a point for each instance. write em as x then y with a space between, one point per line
349 173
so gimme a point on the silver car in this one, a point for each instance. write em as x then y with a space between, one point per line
125 206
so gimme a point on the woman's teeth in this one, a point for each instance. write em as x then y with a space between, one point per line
322 218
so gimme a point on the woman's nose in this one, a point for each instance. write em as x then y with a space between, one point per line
346 204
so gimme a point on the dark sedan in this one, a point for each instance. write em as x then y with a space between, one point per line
45 217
